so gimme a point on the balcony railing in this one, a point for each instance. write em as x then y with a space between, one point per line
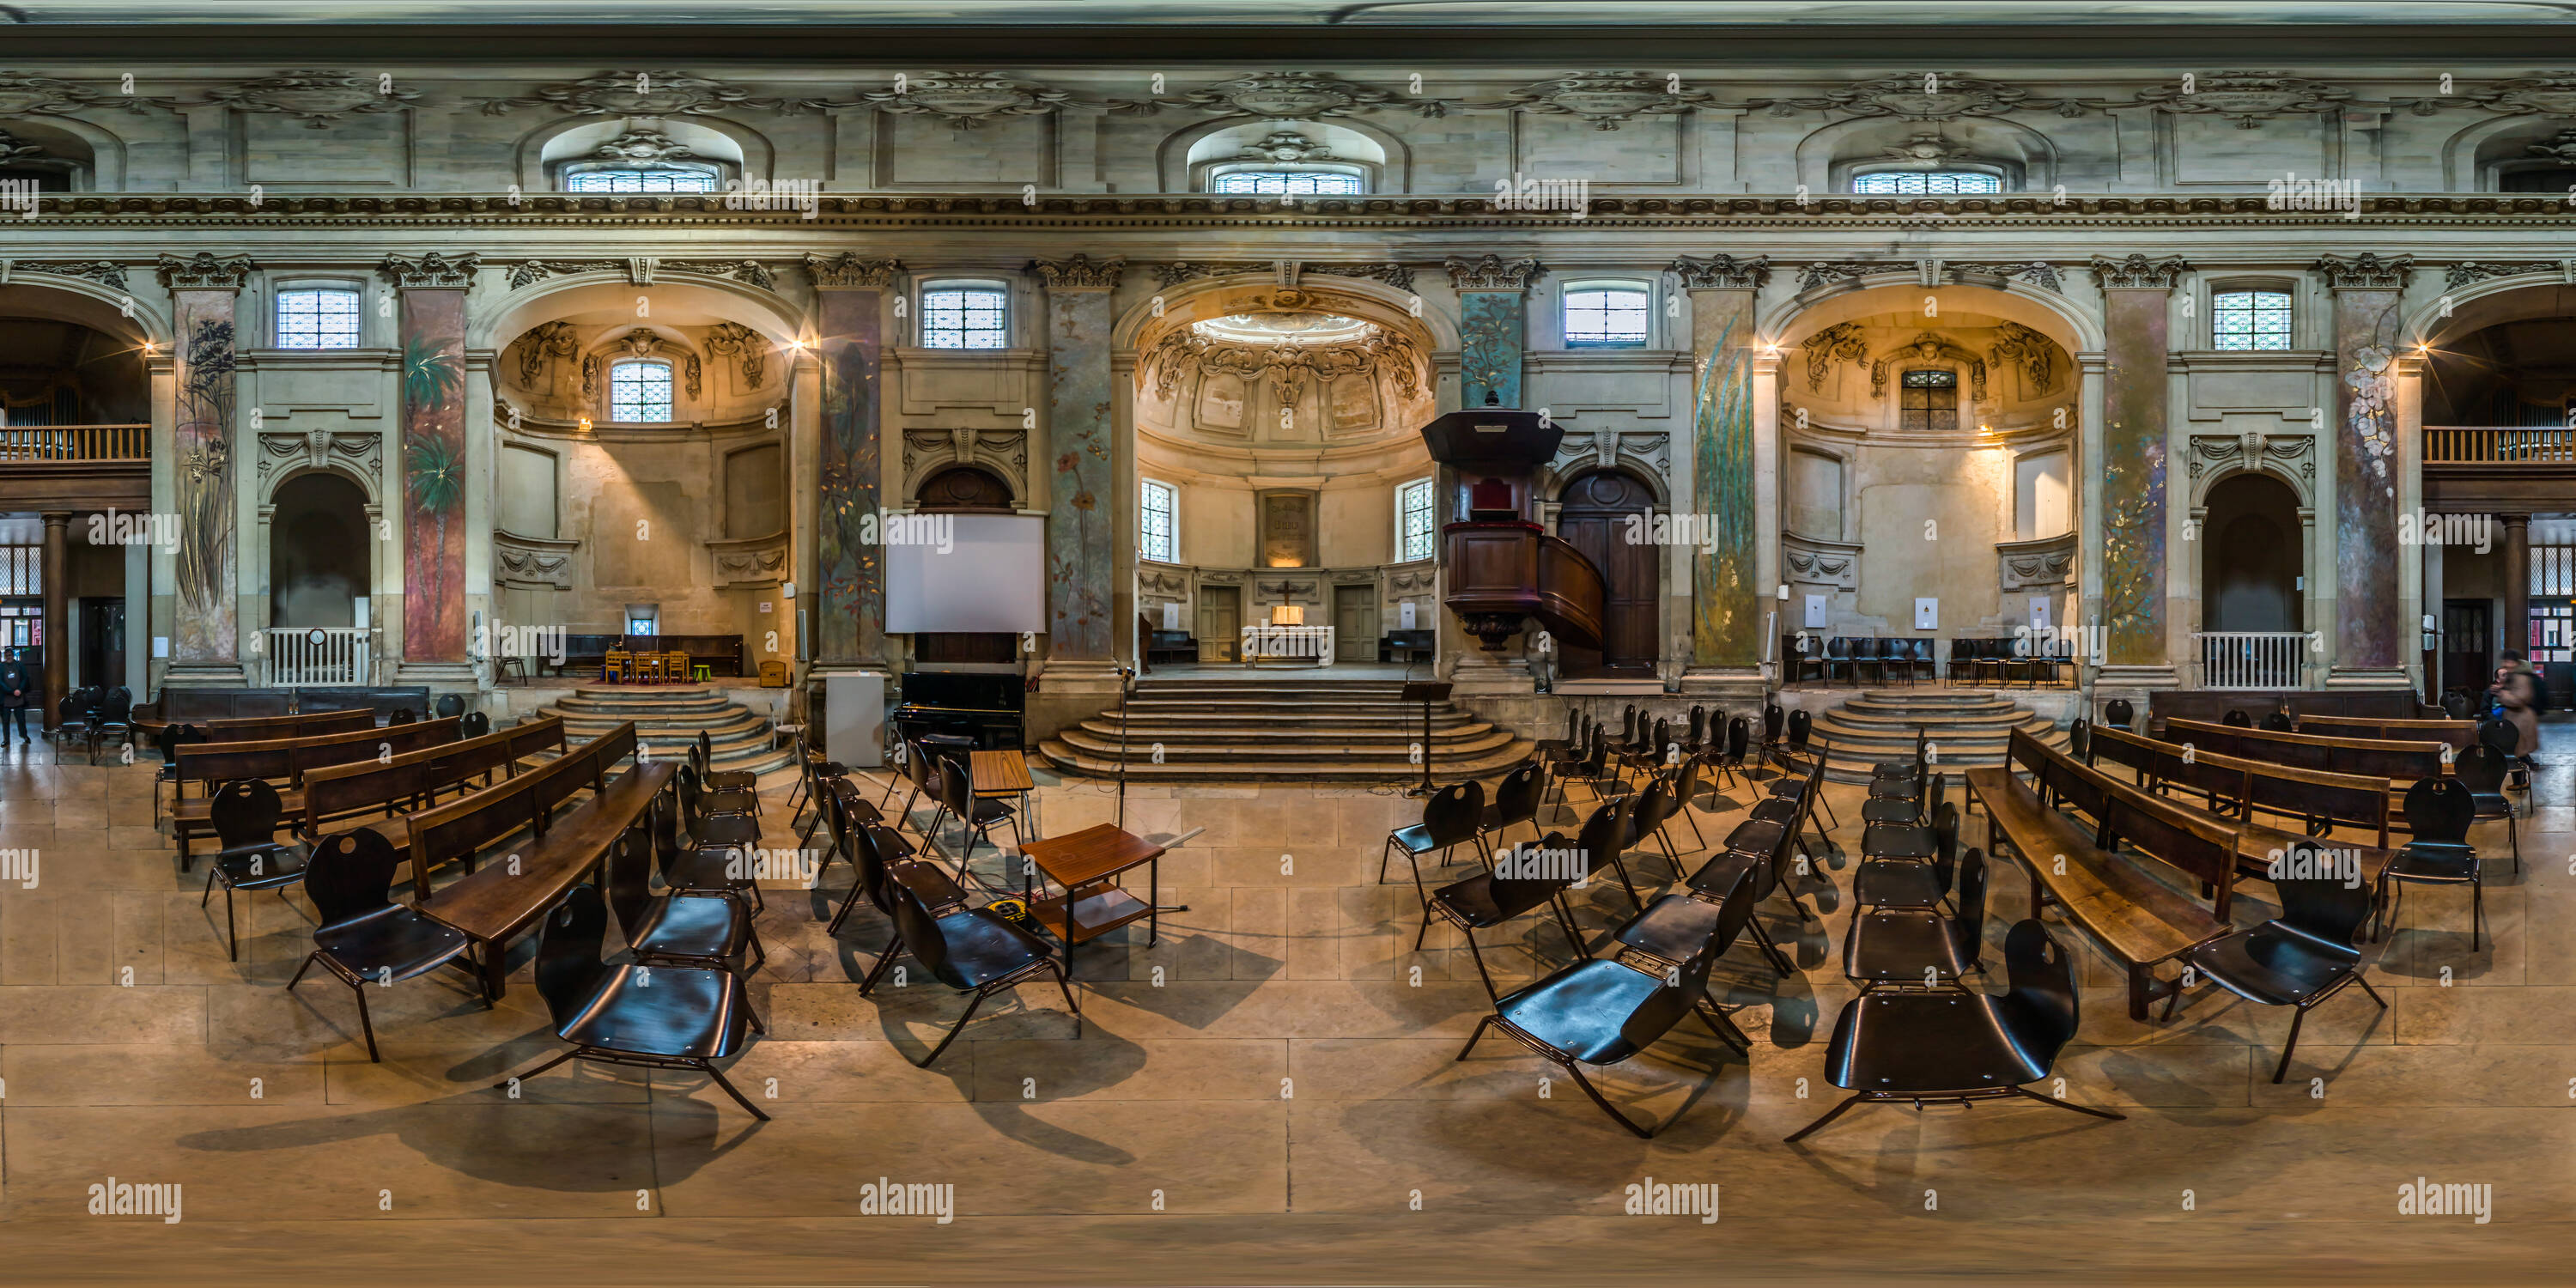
2251 659
312 655
2499 445
75 442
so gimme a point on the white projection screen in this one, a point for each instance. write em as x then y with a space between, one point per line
992 577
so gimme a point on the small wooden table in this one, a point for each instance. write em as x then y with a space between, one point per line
996 774
1085 863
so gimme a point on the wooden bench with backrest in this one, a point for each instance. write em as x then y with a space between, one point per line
499 901
2139 920
282 761
2458 733
259 728
2400 763
2319 801
335 794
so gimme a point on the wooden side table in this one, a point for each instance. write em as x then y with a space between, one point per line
1086 864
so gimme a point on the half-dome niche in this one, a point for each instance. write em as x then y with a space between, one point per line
1283 371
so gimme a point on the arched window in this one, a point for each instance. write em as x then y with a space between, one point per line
1160 540
2249 320
1414 529
965 315
1606 315
639 392
318 318
1929 400
1925 183
664 178
1302 181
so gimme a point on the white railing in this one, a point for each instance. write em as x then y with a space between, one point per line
2252 659
310 655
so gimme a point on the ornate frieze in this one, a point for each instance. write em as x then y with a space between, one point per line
1723 273
535 562
2035 565
1393 274
1004 451
1827 272
734 340
1818 562
2468 271
2366 271
1286 271
1929 97
102 271
2139 273
360 454
965 99
2285 453
1841 342
2549 94
2035 354
546 340
317 98
752 561
642 93
2561 149
432 271
1286 147
850 270
1492 273
2247 97
538 270
1080 273
31 95
1288 366
1605 99
1189 271
1291 96
750 272
2037 272
205 271
1650 450
644 147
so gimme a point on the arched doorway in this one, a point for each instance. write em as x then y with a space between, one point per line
2249 570
317 552
963 489
1598 508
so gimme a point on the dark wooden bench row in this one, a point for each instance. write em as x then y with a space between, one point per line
2403 762
199 706
2458 733
285 761
499 901
2320 801
2357 704
264 728
415 779
2141 921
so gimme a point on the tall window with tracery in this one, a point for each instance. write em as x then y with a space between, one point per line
639 393
2250 320
1414 528
1160 540
1929 401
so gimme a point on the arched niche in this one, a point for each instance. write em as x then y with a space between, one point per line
90 159
2251 553
2024 158
1789 323
89 303
317 525
963 489
736 150
2476 156
1185 153
544 334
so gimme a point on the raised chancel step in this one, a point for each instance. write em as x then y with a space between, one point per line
1968 728
666 716
1300 730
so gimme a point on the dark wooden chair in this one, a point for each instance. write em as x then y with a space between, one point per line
1756 851
2120 715
1892 945
637 1015
972 950
245 816
977 815
1489 899
880 854
366 939
1603 841
1451 817
2438 814
702 754
2297 959
1947 1046
684 927
1914 839
1515 802
2278 722
2481 769
1906 869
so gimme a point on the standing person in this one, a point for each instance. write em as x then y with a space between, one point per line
17 689
2517 693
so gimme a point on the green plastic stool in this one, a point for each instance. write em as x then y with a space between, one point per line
701 672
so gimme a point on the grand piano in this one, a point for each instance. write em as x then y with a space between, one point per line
984 708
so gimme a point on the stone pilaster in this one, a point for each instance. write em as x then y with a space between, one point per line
1083 511
2137 302
204 289
435 472
1729 473
847 616
1492 326
2370 624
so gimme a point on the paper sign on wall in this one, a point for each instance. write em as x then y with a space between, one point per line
1927 614
1171 617
1815 612
1404 616
160 646
2039 612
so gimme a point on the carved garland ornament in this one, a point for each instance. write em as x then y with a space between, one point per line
1288 366
1928 347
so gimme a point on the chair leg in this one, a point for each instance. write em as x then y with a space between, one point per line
232 932
954 1030
1479 956
1696 834
747 1106
1723 1025
1565 922
1425 932
366 1023
211 869
893 949
1475 1037
309 959
2296 1019
1620 865
1384 854
1830 1115
1065 981
522 1079
2477 909
1770 951
2069 1104
856 888
1606 1107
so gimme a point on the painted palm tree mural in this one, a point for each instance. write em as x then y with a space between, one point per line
433 378
204 442
849 623
1723 622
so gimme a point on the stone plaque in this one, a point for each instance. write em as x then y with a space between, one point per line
1287 529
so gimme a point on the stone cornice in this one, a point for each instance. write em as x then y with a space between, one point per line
432 271
1723 273
204 272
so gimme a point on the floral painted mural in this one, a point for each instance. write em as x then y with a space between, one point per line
433 384
203 442
1726 629
2133 475
1081 537
1489 346
2367 634
849 613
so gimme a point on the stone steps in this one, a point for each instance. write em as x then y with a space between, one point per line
1966 730
1313 731
669 716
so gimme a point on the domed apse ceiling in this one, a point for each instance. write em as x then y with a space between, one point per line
1285 376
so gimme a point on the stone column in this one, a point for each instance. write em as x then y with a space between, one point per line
2517 582
847 613
1083 592
58 626
2136 307
203 290
1769 460
1492 326
2434 557
436 474
2369 599
1734 479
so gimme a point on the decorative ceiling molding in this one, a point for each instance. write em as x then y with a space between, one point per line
357 453
1080 273
1929 347
850 271
750 272
31 95
432 271
546 340
2034 353
1605 99
2037 272
97 270
538 270
2365 272
1492 273
2139 273
317 98
1723 273
1290 96
965 99
734 340
1841 342
2548 94
1929 97
2248 97
1381 353
643 93
204 272
2468 271
1003 451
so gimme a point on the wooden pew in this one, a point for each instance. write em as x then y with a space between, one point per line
284 760
2140 921
2399 762
412 779
262 728
2458 733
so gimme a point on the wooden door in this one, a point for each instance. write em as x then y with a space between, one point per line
1220 623
1354 623
1595 520
2468 641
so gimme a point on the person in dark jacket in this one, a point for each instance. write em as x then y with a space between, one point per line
17 692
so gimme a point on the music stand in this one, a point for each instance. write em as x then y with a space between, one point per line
1425 692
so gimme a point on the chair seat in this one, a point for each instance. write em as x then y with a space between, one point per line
734 801
990 811
727 780
694 925
983 948
1494 821
1889 811
1898 841
727 829
265 865
1719 874
708 867
937 889
1776 809
1888 769
1927 1044
391 943
2274 964
1896 944
2491 804
2434 862
1756 836
1582 1009
1672 927
1896 884
1417 839
1479 902
685 1011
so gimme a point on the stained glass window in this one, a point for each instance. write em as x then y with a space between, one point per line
1158 542
1925 183
1929 400
640 181
639 392
1413 514
958 316
2250 320
1279 183
320 319
1605 317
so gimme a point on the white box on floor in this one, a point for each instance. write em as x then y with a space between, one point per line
854 720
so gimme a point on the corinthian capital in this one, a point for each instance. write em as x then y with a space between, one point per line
2366 272
2139 273
1492 273
204 272
432 271
1080 273
847 271
1723 273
